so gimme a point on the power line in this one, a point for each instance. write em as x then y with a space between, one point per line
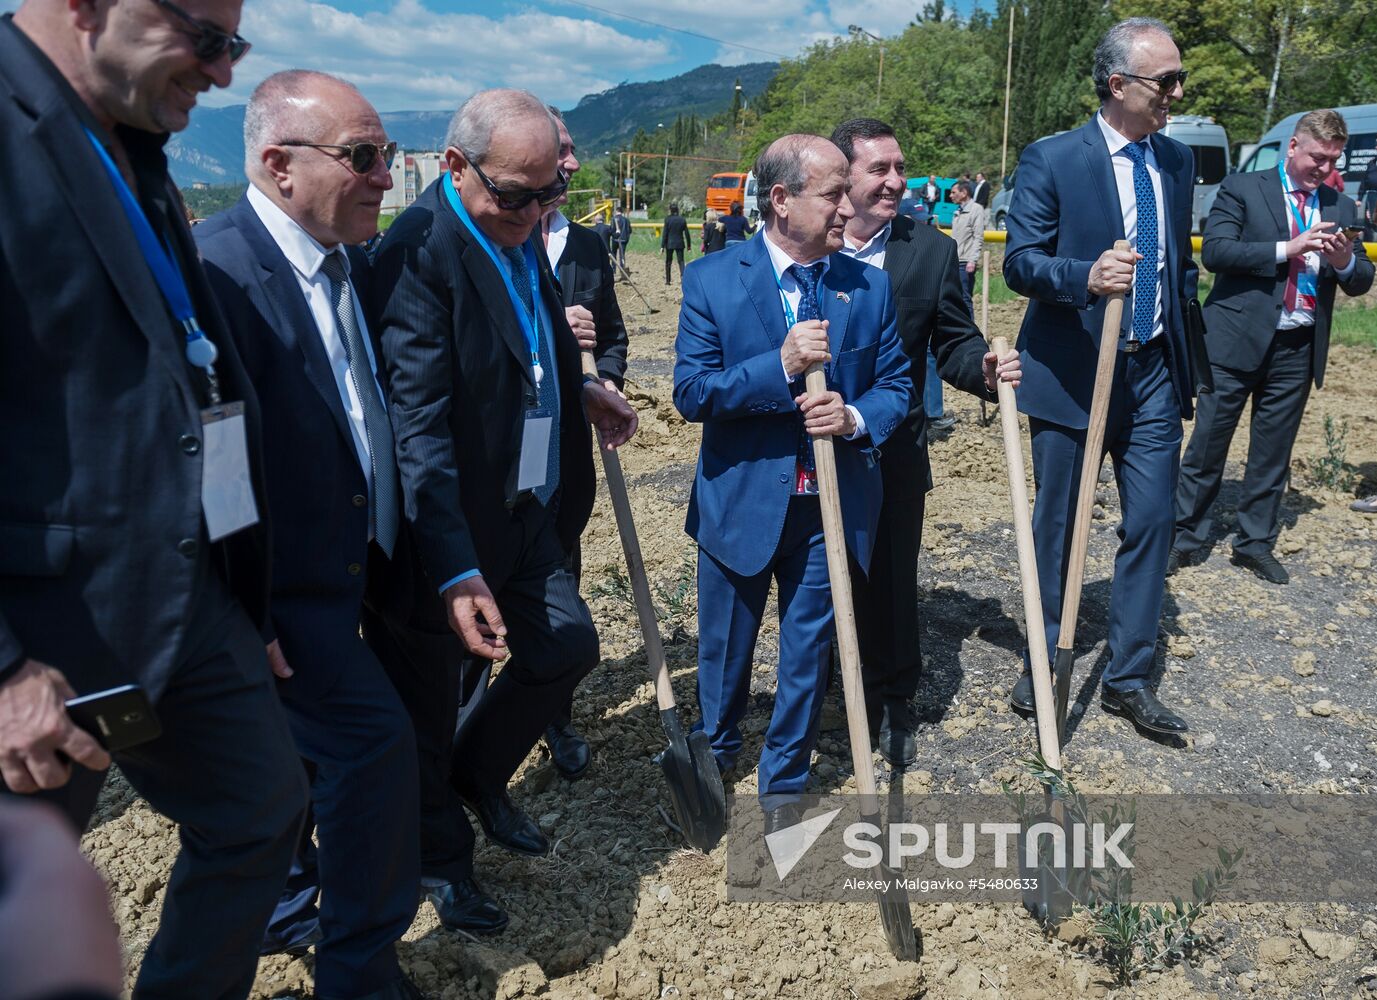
670 27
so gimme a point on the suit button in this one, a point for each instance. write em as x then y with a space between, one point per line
783 478
360 500
189 443
188 547
355 569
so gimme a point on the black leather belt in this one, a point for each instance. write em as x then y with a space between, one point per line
1134 346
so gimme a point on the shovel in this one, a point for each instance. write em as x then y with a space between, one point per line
1085 501
626 276
695 783
895 915
1045 902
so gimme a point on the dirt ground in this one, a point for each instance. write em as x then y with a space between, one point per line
1279 684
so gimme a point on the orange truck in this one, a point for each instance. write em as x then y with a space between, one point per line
724 189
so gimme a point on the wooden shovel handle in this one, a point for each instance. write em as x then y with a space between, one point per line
1090 465
1028 570
635 565
844 613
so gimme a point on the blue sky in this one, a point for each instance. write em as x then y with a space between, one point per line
430 54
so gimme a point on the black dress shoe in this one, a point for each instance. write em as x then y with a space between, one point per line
297 946
1264 566
401 989
507 825
1021 700
1175 560
568 749
782 817
897 743
1143 708
464 906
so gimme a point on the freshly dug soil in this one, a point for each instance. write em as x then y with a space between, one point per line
1279 685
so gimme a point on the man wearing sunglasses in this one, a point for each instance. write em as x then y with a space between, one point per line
286 266
1078 193
133 525
490 412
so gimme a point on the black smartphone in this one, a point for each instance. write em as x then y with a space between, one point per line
119 718
1354 233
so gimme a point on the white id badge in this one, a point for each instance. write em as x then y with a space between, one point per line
535 450
226 489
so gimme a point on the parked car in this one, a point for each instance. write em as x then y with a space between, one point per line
1210 145
946 209
1361 148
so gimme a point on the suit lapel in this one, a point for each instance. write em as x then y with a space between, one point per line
758 278
1101 170
1275 196
294 324
1167 171
835 305
567 274
77 170
899 253
492 292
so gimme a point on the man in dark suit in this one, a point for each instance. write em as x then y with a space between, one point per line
603 230
284 265
673 239
133 532
621 236
754 319
1277 243
981 194
925 279
583 270
490 414
1078 193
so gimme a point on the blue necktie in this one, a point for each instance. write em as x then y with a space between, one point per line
805 470
1145 282
545 392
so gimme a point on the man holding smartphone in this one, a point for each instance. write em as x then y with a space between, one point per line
1280 242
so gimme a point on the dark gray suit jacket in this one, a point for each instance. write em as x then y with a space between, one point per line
1247 221
101 530
923 272
586 279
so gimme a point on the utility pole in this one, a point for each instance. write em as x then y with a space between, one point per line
856 29
1008 79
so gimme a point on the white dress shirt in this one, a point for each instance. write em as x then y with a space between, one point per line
873 250
557 239
306 255
791 293
1302 316
1128 206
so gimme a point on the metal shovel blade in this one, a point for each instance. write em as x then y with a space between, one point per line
695 783
1052 900
1062 671
897 918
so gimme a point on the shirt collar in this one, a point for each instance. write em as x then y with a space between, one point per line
300 248
781 261
879 239
558 222
1116 140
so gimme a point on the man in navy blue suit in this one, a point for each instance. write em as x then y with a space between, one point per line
754 319
285 266
1079 192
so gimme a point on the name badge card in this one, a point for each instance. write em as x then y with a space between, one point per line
226 489
535 449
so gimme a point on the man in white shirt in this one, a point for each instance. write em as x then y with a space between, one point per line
1280 242
285 266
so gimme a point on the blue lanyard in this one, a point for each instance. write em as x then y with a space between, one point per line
200 350
530 322
1312 203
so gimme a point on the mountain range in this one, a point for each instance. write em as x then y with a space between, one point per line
211 149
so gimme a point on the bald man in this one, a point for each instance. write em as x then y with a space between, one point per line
755 317
285 264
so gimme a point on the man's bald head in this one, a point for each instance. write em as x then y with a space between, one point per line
785 162
292 105
803 183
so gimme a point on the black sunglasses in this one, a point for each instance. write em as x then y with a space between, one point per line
1166 83
211 42
362 155
513 201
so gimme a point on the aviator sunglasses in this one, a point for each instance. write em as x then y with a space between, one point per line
512 201
210 42
361 155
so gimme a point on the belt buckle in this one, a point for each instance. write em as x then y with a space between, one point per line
1132 346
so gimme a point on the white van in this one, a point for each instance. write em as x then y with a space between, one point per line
1361 148
1210 144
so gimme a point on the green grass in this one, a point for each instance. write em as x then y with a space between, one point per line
999 291
1355 323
